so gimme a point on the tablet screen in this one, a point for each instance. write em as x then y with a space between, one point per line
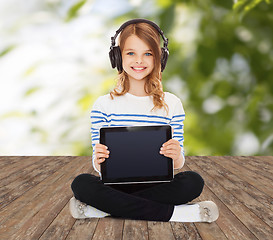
134 154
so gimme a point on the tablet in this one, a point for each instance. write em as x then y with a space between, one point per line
134 154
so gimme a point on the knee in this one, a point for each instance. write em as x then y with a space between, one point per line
192 184
197 183
83 181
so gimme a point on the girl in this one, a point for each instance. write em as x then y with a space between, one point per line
138 99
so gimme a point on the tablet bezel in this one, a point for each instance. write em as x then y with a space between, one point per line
148 179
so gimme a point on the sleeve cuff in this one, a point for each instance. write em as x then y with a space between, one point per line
94 166
183 156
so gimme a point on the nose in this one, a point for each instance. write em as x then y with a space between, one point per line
138 59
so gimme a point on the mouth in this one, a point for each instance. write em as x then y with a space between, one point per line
138 69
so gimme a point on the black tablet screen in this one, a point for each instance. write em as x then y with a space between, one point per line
134 154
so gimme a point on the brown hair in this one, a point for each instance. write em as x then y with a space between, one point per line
153 85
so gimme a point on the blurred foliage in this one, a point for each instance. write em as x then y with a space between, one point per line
243 6
245 86
220 65
246 91
73 10
232 60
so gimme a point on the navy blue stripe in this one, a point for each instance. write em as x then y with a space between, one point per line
97 122
95 111
125 120
178 139
177 125
177 121
130 115
139 115
98 117
95 129
121 125
181 115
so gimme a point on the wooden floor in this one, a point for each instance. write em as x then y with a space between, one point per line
35 192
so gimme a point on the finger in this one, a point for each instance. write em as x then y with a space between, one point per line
171 141
172 156
172 147
102 150
100 146
102 155
168 152
100 160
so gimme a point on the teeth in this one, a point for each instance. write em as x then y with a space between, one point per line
138 68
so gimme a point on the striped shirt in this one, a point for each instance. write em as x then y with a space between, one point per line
131 110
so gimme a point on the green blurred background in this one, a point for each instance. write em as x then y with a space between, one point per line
54 64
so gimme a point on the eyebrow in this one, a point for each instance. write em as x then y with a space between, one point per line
130 49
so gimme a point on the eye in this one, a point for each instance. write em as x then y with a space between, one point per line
130 53
148 54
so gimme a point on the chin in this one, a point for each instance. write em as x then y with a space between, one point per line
139 76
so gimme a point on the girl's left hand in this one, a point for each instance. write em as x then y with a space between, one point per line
171 149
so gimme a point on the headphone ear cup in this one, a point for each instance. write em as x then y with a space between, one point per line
115 58
112 57
118 58
164 58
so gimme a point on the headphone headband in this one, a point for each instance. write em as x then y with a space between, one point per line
139 20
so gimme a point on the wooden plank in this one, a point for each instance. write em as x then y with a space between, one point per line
260 168
28 178
183 231
109 228
17 164
56 199
16 214
258 162
260 182
60 227
160 230
135 229
19 203
209 231
25 167
7 161
243 183
240 189
266 159
83 229
42 212
249 220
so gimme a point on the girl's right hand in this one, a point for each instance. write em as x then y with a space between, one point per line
101 153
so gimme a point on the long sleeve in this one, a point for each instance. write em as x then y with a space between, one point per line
177 122
98 119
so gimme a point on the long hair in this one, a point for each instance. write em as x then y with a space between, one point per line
153 84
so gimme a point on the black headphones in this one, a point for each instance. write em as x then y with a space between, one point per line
115 53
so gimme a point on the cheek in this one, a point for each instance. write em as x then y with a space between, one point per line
152 61
125 61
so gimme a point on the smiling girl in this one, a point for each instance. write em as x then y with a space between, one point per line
138 99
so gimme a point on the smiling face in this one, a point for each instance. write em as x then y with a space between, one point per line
137 59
